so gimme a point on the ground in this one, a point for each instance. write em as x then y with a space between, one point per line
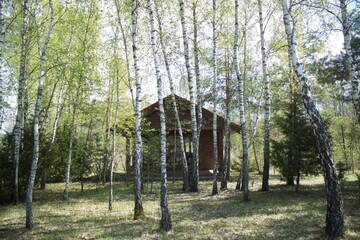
278 214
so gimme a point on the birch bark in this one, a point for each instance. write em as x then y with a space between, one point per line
224 177
348 57
165 222
334 214
215 145
19 124
112 161
194 178
2 47
265 75
35 158
197 77
138 210
172 90
244 169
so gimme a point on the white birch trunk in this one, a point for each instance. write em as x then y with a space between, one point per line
70 154
112 161
126 51
20 97
194 129
197 78
245 173
334 215
2 47
35 158
348 57
215 146
224 177
172 90
265 182
165 222
138 210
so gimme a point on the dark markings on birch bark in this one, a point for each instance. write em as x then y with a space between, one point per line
126 51
244 168
2 47
36 140
199 103
165 222
194 178
334 213
215 145
265 181
19 124
138 209
112 161
224 177
172 90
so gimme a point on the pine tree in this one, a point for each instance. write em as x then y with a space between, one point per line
295 152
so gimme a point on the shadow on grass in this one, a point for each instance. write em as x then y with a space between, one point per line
278 214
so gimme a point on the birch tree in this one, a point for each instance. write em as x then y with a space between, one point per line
334 213
194 178
197 74
265 76
225 175
79 85
172 90
112 161
244 169
2 47
29 191
126 51
138 210
214 131
21 95
165 222
348 57
70 149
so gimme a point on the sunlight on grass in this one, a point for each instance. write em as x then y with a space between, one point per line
278 214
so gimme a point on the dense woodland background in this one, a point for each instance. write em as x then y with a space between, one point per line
74 76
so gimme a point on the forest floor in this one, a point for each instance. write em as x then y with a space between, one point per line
278 214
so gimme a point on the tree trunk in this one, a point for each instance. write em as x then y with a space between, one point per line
71 140
172 90
35 158
265 182
138 210
165 222
245 172
107 134
297 180
2 47
127 158
19 124
334 215
215 145
126 51
197 78
194 128
350 77
226 161
174 157
112 161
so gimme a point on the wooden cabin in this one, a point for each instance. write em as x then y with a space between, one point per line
206 161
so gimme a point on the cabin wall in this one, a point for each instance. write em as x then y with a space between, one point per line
206 150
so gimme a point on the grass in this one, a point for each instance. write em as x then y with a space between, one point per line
278 214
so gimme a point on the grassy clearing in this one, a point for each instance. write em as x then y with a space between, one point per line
278 214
